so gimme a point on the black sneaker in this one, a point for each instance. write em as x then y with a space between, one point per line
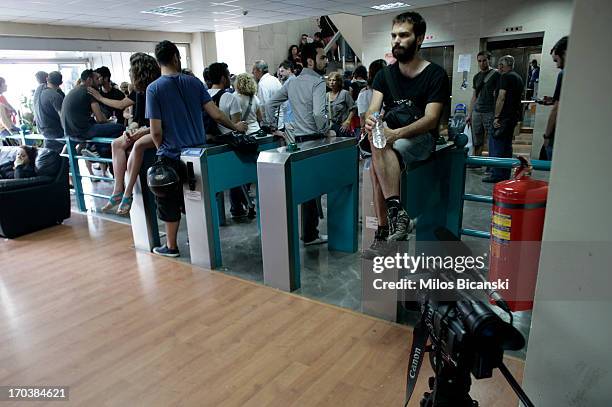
400 225
251 214
165 251
239 215
380 246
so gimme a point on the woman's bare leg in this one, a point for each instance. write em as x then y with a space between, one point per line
135 161
119 147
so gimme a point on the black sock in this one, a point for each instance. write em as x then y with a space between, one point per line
393 202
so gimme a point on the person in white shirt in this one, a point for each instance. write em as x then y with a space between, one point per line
268 85
220 77
245 94
365 96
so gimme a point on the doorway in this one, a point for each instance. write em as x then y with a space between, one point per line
524 50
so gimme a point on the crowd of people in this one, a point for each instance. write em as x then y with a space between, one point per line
167 108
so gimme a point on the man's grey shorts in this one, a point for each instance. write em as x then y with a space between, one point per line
417 148
481 123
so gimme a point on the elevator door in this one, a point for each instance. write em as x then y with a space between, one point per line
523 50
442 56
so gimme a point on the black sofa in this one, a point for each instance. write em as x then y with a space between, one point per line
31 204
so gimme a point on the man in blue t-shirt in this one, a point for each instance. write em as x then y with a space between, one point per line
174 109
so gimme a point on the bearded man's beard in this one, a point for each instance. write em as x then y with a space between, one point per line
404 55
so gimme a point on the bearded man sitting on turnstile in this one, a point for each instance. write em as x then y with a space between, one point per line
413 92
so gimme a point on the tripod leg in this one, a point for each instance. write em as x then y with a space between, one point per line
451 388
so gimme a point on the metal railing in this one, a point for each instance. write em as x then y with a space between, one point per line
73 159
493 162
25 139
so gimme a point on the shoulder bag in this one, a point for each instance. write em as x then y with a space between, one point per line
403 112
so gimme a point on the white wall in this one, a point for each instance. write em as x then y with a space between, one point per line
84 33
117 62
569 361
203 51
464 24
73 44
271 42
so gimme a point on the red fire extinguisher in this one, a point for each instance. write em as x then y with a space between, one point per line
517 223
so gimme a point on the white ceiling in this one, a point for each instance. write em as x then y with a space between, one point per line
197 15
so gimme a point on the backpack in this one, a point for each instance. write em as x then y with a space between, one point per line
210 126
356 87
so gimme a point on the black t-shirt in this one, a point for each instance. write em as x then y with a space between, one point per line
513 85
138 112
556 98
48 120
557 95
114 94
76 112
485 91
356 87
431 85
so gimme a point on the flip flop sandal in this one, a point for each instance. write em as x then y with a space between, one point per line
113 201
125 206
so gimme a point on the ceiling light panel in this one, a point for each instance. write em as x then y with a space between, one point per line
166 11
390 6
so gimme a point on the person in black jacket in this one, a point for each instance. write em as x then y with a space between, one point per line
22 167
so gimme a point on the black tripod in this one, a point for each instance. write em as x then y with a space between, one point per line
451 387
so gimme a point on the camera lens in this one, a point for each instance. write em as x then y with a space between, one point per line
479 319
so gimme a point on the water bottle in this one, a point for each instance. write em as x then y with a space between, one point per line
378 132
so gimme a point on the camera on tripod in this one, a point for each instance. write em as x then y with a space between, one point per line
466 337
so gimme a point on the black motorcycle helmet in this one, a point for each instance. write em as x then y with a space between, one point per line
162 179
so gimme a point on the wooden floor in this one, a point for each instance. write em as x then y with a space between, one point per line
81 308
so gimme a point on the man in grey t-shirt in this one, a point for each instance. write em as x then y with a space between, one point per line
49 109
41 78
481 112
